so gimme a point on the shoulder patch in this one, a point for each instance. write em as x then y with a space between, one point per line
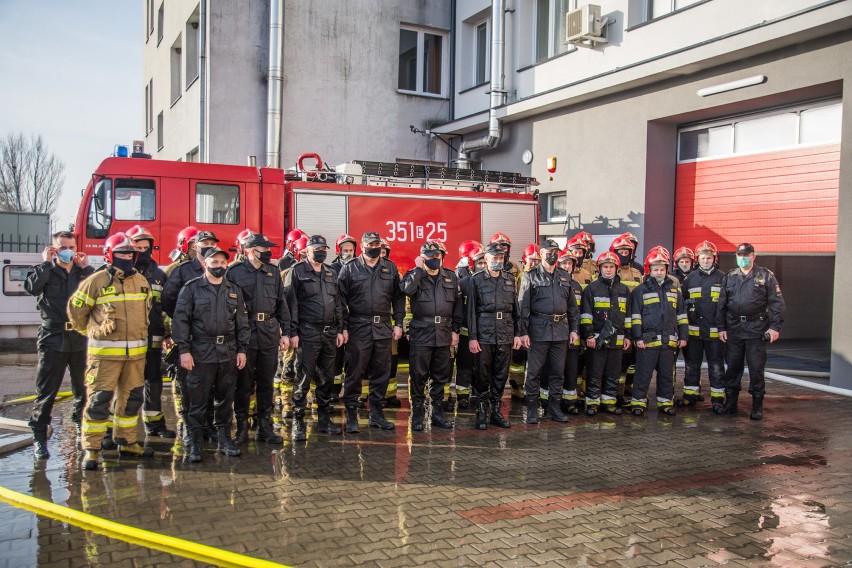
232 295
448 279
108 290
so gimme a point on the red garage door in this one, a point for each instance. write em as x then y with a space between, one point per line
782 201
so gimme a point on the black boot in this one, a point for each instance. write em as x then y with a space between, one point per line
159 429
438 418
226 445
496 417
464 401
418 413
210 433
756 407
532 409
108 443
265 432
40 441
352 420
554 408
194 447
378 420
241 437
325 424
481 411
730 405
299 429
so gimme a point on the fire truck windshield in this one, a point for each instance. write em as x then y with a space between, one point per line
100 210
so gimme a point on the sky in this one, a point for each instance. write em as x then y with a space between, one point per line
72 72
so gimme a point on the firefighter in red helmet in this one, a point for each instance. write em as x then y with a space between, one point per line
346 247
579 250
684 263
464 267
624 248
289 258
184 249
589 262
531 257
240 241
511 266
574 361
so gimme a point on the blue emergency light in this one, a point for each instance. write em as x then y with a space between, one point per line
120 151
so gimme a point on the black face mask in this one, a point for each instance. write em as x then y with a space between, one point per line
143 259
263 257
551 258
432 263
372 252
204 250
319 255
124 264
623 257
216 272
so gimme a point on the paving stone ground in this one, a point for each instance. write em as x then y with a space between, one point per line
690 490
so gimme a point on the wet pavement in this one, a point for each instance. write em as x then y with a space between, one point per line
690 490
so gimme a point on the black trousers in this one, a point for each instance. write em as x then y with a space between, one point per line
547 357
153 385
366 358
738 352
425 362
603 368
572 369
51 371
316 356
218 379
465 366
660 359
259 373
492 371
693 354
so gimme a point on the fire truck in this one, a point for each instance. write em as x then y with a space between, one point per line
407 204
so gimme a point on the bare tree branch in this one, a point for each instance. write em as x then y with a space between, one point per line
31 177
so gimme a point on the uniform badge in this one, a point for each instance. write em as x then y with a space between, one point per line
108 291
232 295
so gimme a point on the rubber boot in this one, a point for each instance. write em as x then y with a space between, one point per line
352 420
378 420
481 411
299 429
226 445
438 418
392 402
135 450
496 417
194 446
108 443
756 407
210 433
40 441
730 405
418 413
325 424
532 409
241 436
159 429
90 460
265 432
554 408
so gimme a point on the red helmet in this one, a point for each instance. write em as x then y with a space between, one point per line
477 254
608 256
684 252
119 242
632 238
185 238
501 238
386 246
565 254
588 239
706 247
657 255
140 233
621 242
299 246
532 251
344 238
467 247
241 238
292 237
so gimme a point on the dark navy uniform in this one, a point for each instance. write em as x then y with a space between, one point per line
152 411
701 291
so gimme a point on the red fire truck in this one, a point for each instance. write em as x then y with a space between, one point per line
406 204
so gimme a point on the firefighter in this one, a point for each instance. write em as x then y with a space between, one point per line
625 249
464 266
684 263
604 325
152 410
658 326
436 309
751 314
211 330
242 237
701 290
111 307
493 324
185 249
579 250
549 322
589 262
370 298
269 322
289 362
531 257
59 346
573 356
511 266
290 256
464 359
634 249
346 248
317 331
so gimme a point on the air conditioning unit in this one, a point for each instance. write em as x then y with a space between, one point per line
585 24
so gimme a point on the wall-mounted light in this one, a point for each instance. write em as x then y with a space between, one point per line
739 84
551 164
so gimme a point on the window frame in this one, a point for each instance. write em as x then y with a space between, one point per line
552 25
477 51
161 126
551 197
421 42
200 185
161 22
117 186
176 69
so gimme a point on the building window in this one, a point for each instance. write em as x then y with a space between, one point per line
780 129
161 22
192 48
160 136
216 203
177 84
482 49
422 56
657 8
550 28
150 106
135 200
147 110
192 155
149 19
557 207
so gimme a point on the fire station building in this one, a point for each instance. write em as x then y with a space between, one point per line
678 120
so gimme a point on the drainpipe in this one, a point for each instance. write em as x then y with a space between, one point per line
275 82
498 90
202 79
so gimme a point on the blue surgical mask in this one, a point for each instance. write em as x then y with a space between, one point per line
65 255
743 261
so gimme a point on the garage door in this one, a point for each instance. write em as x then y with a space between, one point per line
771 180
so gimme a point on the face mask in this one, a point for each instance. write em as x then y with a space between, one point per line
372 252
65 255
624 257
743 261
124 264
143 259
433 263
204 250
319 256
345 257
551 258
495 266
263 257
216 272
